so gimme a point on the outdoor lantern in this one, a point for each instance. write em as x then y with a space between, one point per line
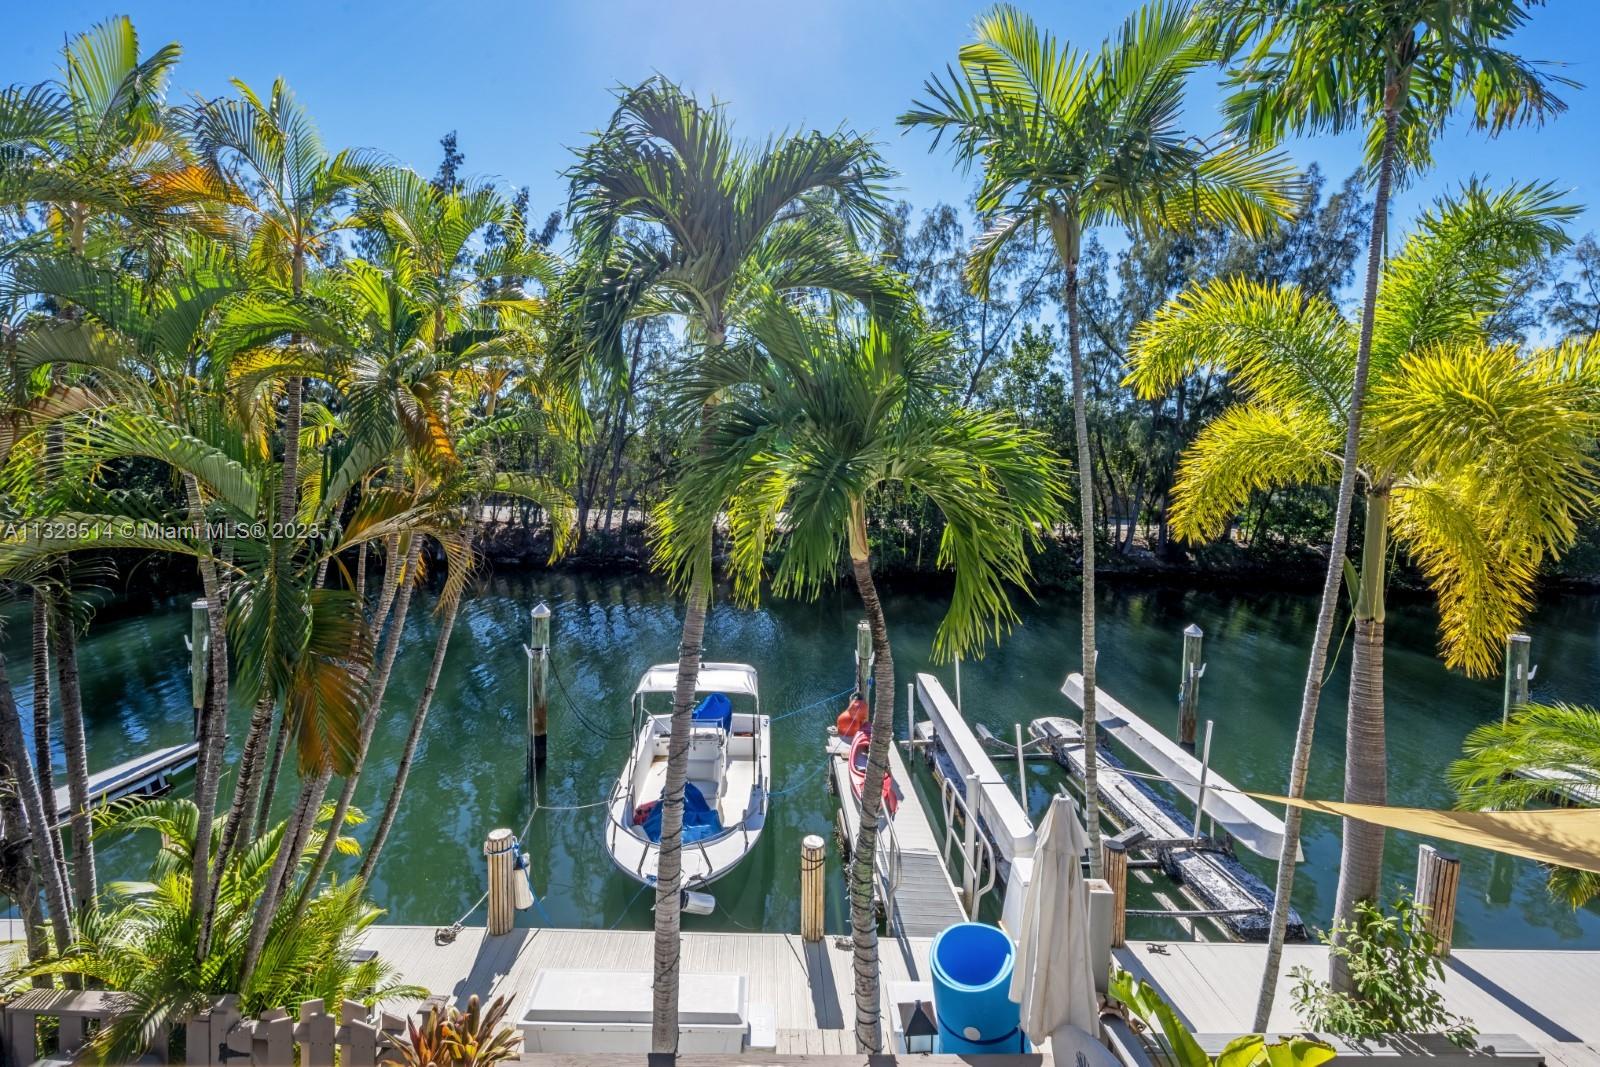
916 1023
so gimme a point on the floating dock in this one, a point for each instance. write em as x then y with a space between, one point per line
1216 881
147 775
914 887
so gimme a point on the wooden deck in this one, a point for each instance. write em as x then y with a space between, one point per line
1544 996
808 986
924 900
150 773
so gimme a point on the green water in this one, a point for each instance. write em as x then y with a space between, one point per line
468 777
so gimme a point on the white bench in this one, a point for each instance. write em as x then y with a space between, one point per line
609 1011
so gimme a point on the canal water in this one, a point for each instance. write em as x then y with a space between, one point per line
468 777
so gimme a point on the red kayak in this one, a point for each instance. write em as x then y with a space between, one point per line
858 773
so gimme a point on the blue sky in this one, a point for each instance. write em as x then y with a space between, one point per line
524 82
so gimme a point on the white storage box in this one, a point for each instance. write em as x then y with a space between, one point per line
609 1011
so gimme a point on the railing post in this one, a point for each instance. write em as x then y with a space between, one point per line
1114 869
813 883
502 893
1189 684
1438 880
969 849
538 689
1519 650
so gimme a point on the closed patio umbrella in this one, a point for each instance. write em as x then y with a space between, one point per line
1053 979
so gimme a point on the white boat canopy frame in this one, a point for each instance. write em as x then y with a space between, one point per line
733 679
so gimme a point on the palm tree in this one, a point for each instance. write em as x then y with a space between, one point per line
1394 71
143 939
717 224
1070 140
1474 457
1563 738
815 420
94 150
271 148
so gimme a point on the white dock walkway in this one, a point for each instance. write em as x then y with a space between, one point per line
1542 995
809 986
920 900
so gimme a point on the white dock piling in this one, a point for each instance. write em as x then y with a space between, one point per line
911 716
1205 772
1022 772
502 889
1519 649
813 887
1438 880
538 689
863 657
1189 684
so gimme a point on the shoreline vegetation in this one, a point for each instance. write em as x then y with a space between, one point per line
306 381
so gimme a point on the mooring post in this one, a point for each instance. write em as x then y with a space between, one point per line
813 887
499 849
1438 880
1114 869
969 850
863 657
1519 649
958 684
538 688
199 656
911 716
1189 686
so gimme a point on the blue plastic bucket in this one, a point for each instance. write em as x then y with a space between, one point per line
971 964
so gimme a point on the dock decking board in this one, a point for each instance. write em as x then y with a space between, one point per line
809 986
1506 991
142 774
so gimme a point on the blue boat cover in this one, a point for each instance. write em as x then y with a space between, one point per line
700 820
715 710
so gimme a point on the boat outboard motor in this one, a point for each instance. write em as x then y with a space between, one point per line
697 903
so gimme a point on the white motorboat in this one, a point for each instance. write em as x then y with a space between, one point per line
730 768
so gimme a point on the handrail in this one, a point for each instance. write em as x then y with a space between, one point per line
952 802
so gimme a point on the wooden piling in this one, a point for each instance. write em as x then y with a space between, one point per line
1438 881
199 657
1114 870
813 887
863 657
1189 684
1519 649
538 689
502 891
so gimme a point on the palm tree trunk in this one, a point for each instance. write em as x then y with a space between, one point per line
863 860
64 645
305 811
369 720
211 736
246 787
441 643
1311 696
43 759
1066 234
46 870
669 868
1366 758
17 879
269 780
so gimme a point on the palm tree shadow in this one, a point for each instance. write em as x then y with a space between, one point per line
494 962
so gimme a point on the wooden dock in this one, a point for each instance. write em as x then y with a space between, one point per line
914 888
1544 996
809 986
146 775
1215 881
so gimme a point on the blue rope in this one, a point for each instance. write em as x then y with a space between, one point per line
814 703
628 906
818 769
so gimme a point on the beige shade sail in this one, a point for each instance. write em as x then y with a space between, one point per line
1566 837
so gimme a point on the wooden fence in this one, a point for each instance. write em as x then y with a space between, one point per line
218 1036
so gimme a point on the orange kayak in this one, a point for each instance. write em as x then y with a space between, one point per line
858 773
